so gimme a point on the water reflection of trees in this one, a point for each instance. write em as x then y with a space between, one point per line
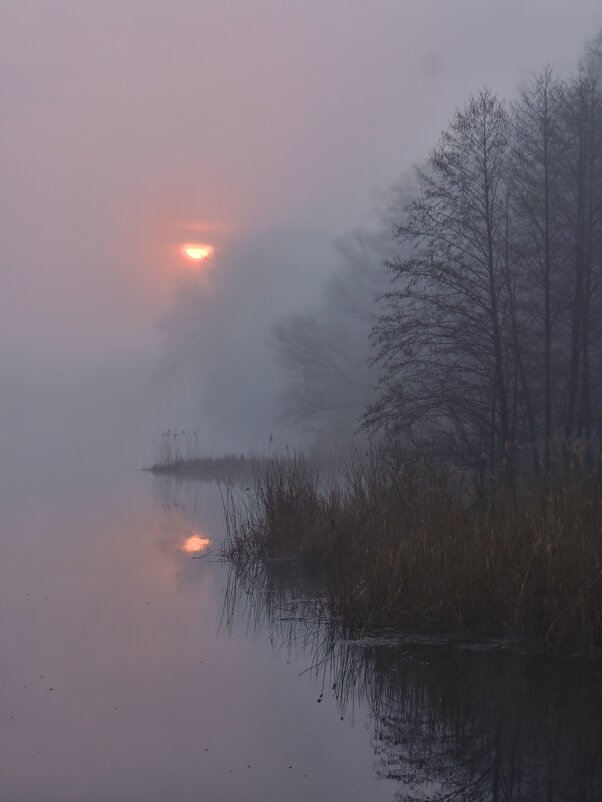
483 724
449 722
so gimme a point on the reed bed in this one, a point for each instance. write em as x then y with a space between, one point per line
182 454
404 547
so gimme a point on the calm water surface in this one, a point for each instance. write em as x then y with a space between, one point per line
123 679
118 681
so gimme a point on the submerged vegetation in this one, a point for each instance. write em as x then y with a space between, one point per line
401 545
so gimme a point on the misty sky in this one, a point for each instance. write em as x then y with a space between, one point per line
265 127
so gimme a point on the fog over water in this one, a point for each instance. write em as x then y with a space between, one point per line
119 680
263 132
266 129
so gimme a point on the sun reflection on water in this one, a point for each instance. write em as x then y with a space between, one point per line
195 544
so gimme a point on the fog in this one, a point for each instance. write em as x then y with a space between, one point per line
267 129
197 201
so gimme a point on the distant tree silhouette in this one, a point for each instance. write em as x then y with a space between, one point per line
325 352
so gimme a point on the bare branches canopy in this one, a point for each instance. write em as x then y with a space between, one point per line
490 343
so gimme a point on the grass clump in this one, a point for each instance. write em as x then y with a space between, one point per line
181 454
404 547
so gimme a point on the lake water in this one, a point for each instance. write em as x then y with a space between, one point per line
118 679
124 678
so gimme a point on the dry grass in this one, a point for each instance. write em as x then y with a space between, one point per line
181 454
404 548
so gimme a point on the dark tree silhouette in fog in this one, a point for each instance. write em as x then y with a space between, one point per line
325 352
490 345
443 342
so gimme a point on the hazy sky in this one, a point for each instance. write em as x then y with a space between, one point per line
131 126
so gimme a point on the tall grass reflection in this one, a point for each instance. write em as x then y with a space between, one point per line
449 720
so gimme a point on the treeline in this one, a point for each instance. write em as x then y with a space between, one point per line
486 344
490 343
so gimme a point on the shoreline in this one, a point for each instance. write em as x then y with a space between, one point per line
406 554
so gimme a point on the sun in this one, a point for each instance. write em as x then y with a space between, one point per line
198 252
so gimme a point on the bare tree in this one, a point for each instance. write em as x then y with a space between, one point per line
582 226
325 352
535 200
488 344
593 57
444 342
492 335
